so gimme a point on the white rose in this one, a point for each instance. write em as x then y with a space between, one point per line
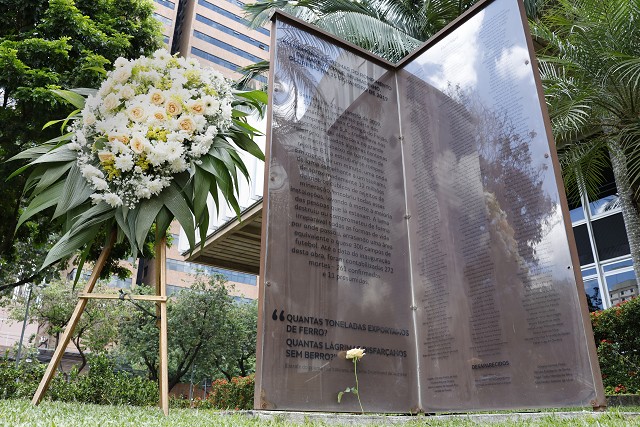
127 92
355 353
121 74
88 118
156 97
137 113
186 123
105 156
120 62
111 102
137 144
197 106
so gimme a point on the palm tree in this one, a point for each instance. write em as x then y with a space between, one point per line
389 28
590 66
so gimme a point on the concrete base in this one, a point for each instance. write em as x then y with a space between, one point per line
357 419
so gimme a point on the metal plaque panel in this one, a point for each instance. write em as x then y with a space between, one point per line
336 257
414 211
500 322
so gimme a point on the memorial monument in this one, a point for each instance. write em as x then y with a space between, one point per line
415 210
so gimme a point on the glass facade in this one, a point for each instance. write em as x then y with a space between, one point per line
603 250
232 276
230 15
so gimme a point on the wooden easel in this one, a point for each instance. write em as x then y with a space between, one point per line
160 299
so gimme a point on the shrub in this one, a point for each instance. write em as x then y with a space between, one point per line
617 334
101 385
235 394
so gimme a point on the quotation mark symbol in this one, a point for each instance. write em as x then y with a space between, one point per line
274 316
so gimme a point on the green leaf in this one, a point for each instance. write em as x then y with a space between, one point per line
42 201
123 225
254 95
247 144
202 183
340 396
76 191
163 220
91 215
34 152
148 211
174 201
17 171
68 244
81 260
51 175
59 154
73 98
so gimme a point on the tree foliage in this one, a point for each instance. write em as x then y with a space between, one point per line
44 45
52 306
590 66
208 332
388 28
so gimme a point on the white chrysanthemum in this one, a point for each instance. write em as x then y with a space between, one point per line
96 198
174 150
226 111
162 55
158 154
155 186
212 130
119 147
99 183
113 199
90 171
81 139
124 162
148 132
143 192
212 105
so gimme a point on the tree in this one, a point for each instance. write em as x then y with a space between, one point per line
590 67
389 28
206 329
43 45
52 307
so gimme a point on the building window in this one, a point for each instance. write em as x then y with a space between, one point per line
232 16
192 268
163 19
603 249
166 3
229 31
227 47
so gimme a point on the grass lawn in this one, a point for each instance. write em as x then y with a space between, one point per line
16 413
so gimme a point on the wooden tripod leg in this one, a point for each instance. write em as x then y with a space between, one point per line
73 322
161 311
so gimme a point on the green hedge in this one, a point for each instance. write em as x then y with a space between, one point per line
236 394
101 385
617 334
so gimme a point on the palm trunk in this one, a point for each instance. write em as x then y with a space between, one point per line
625 193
